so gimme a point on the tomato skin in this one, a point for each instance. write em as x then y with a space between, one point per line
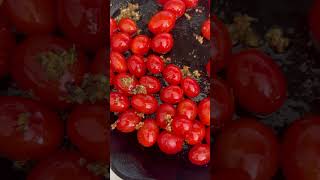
300 149
125 83
164 114
169 143
128 121
151 83
178 7
118 62
140 45
63 165
162 43
172 74
83 22
29 131
191 3
32 17
99 64
7 44
181 125
128 26
205 29
187 108
29 74
245 144
147 135
120 42
155 64
171 94
190 87
262 86
196 134
200 154
136 65
118 102
113 26
204 111
162 22
230 174
146 104
313 20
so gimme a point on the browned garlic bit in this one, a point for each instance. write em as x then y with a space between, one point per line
276 40
131 11
199 38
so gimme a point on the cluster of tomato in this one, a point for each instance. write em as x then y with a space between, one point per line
137 84
245 148
49 50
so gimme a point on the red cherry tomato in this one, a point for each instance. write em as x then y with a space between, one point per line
172 74
99 64
250 146
128 121
181 125
300 150
136 65
147 135
208 135
32 17
48 65
200 154
125 83
146 104
162 43
257 81
151 83
118 102
63 166
196 133
84 22
29 130
171 94
230 174
187 108
205 29
164 115
140 45
155 64
118 62
190 87
313 20
178 7
128 26
191 3
113 26
7 44
162 22
120 42
169 143
86 128
204 111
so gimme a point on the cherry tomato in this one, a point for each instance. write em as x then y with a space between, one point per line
113 26
48 66
99 64
190 87
313 20
118 102
63 166
84 22
147 135
87 129
181 125
230 174
205 29
146 104
164 115
128 26
187 108
196 133
172 74
208 135
155 64
125 83
151 83
178 7
162 43
204 111
29 130
120 42
7 44
32 17
169 143
118 62
300 150
191 3
250 146
162 22
171 94
199 154
128 121
261 87
136 65
140 45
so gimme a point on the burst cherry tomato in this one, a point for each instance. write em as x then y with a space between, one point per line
164 115
120 42
162 43
178 7
136 65
140 45
196 133
125 83
172 74
118 62
151 83
204 111
187 108
146 104
171 94
7 44
162 22
128 121
128 26
155 64
200 154
147 135
113 26
118 102
181 125
169 143
191 3
190 87
205 29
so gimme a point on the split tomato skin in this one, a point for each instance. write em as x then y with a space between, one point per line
118 62
200 154
190 87
147 135
155 64
164 115
146 104
205 29
136 65
196 134
187 108
162 22
118 102
128 121
178 7
204 111
169 143
181 125
171 94
162 43
140 45
128 26
7 45
151 84
120 42
172 74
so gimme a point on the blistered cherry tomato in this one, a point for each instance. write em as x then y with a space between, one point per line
162 43
7 44
155 64
178 7
169 143
118 102
230 174
127 121
205 29
120 42
187 108
257 81
181 125
164 115
172 74
140 45
147 135
171 94
313 20
128 26
118 62
125 83
208 135
204 111
113 26
200 154
151 83
190 87
191 3
196 133
136 65
146 104
162 22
